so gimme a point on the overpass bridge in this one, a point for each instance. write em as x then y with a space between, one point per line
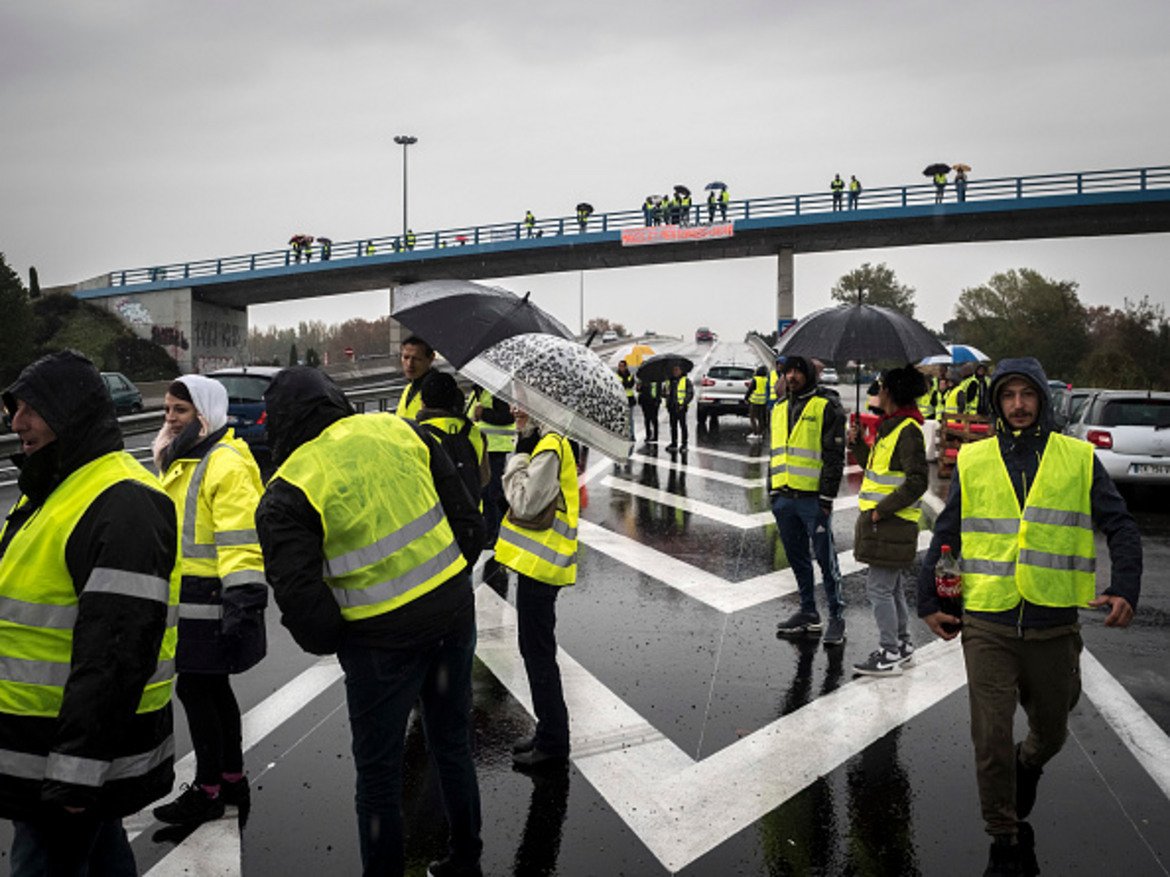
198 309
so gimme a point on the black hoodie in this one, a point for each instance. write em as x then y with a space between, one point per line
301 402
1021 453
129 528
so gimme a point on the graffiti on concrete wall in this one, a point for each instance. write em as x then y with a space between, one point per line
169 336
219 335
133 312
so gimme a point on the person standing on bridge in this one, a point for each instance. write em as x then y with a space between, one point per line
724 200
376 570
1020 515
854 192
679 395
711 204
837 186
417 358
529 222
538 539
960 185
89 599
808 460
215 485
886 532
940 186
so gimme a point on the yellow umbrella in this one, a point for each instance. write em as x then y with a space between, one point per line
633 355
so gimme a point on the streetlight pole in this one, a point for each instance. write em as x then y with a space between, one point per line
404 140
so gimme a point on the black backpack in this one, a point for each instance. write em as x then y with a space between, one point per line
462 453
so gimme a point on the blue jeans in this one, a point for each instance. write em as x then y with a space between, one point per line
382 686
71 845
799 520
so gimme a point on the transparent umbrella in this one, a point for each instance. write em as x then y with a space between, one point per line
561 383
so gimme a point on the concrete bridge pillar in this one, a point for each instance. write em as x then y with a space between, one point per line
398 332
200 336
785 285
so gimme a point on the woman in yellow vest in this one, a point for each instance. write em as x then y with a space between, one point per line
757 399
215 485
542 548
886 533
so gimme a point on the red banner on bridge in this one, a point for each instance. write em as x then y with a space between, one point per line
669 234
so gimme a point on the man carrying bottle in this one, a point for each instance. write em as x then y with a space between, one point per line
1021 514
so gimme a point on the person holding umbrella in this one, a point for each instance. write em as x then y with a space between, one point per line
628 384
538 539
808 460
650 399
679 395
961 182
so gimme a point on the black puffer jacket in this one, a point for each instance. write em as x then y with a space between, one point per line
129 528
1021 453
301 403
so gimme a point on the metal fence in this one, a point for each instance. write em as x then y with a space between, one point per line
511 234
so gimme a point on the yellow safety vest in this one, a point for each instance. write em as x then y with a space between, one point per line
409 410
854 186
880 480
773 385
454 424
387 541
500 439
796 458
680 392
759 394
926 402
837 185
550 555
216 498
628 383
951 404
1044 553
40 603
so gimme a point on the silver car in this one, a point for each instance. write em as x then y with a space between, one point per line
1130 430
723 387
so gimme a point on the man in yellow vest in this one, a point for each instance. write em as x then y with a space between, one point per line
757 400
886 533
529 222
808 460
1021 515
629 385
417 357
89 598
377 569
494 418
538 539
679 395
837 185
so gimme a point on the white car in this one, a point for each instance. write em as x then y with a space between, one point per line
609 335
1130 430
829 376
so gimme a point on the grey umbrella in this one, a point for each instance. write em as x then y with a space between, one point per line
861 333
561 383
461 319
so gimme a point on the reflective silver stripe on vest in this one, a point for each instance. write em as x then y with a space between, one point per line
1002 526
888 479
1058 517
236 537
803 452
191 548
129 584
162 673
200 611
90 771
243 577
559 526
34 672
878 497
544 552
22 765
1064 562
368 555
988 567
489 429
38 614
386 591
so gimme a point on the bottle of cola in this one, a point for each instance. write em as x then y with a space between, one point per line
948 584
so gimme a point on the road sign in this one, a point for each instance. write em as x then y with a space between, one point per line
349 353
783 326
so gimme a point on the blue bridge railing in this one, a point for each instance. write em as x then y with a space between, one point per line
999 189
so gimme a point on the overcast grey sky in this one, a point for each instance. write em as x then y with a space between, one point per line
144 131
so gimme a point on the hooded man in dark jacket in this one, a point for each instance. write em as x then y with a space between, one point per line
1021 513
88 577
808 460
368 535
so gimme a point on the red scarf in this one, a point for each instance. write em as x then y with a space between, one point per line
909 411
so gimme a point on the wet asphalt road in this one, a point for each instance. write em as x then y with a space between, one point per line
704 745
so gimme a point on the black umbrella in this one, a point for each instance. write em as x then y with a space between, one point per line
938 168
715 185
585 207
863 333
462 319
682 190
659 367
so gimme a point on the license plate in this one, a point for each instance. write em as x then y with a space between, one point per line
1149 468
233 420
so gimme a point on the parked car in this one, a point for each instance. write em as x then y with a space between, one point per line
829 375
247 414
1068 404
609 335
703 335
1130 430
127 399
722 389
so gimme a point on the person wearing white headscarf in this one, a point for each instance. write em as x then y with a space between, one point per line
215 484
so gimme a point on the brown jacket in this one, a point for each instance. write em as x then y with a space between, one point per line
893 541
